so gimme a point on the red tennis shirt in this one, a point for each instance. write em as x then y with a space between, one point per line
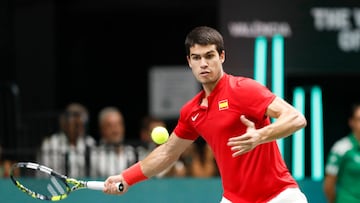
256 176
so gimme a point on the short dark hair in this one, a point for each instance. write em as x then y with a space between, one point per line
204 35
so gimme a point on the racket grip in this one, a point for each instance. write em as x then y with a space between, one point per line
99 185
95 185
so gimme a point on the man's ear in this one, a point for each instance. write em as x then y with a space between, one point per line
188 60
222 56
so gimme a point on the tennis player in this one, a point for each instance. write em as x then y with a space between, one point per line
232 113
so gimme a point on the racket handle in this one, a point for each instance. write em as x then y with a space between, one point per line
95 185
99 185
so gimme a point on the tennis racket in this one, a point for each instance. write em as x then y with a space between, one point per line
44 183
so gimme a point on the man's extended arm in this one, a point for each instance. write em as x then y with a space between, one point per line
157 161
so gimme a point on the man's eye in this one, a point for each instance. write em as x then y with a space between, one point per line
209 56
196 57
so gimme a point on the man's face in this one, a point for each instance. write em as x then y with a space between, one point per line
74 125
206 63
112 128
355 122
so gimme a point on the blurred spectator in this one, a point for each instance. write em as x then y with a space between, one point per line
4 168
112 155
199 160
146 143
5 165
342 172
68 150
148 123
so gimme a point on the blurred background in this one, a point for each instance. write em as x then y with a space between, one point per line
130 55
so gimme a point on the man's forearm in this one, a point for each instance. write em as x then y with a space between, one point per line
283 127
157 161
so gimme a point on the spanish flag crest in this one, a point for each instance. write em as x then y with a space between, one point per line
223 104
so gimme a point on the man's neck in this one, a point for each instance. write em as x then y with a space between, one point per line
357 137
208 88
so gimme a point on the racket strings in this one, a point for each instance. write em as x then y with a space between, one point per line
41 183
55 187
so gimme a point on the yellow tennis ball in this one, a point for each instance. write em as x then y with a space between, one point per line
159 135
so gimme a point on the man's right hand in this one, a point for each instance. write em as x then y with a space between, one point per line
112 188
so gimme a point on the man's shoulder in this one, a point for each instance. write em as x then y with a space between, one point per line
237 81
58 136
342 145
54 140
240 85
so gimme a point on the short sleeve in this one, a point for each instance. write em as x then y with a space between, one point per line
183 129
256 97
336 154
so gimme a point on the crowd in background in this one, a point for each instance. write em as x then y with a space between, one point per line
71 150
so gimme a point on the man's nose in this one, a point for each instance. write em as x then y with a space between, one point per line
203 62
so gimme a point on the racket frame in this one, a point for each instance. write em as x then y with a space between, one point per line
77 184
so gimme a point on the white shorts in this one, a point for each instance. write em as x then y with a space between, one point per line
289 195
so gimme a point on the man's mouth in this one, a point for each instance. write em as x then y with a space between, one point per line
203 73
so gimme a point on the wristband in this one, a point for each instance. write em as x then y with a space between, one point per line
133 174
